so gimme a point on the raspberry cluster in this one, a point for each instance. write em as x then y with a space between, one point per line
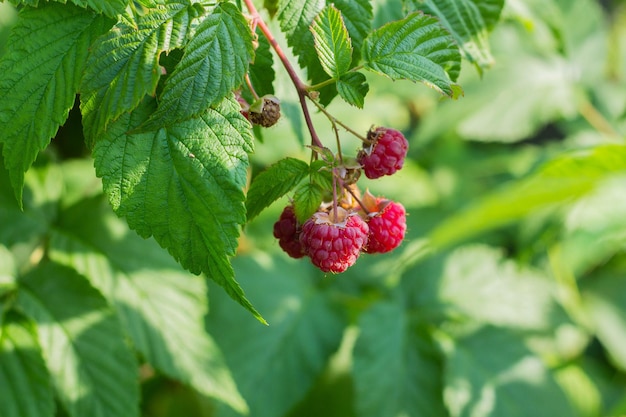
340 231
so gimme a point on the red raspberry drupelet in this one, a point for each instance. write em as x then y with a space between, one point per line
386 228
287 231
334 246
386 153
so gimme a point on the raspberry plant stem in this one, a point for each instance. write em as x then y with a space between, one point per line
251 87
301 88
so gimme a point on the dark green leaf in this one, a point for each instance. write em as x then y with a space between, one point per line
39 78
491 372
123 65
93 370
307 200
214 64
183 185
353 88
332 42
162 307
26 387
271 6
466 22
43 186
273 183
261 71
295 19
416 48
275 366
396 369
111 8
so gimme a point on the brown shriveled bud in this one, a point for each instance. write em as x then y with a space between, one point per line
265 111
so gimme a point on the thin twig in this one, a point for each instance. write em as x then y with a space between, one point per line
334 120
300 86
251 87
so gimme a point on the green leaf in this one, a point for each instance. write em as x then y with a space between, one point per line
491 372
353 88
416 48
160 305
562 180
271 6
396 369
288 356
123 65
214 64
604 299
594 228
467 24
43 186
332 42
295 19
111 8
273 183
183 185
483 287
307 200
357 16
93 370
8 272
39 77
261 71
27 391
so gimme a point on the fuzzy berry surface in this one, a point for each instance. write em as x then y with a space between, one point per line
287 231
386 153
334 248
386 228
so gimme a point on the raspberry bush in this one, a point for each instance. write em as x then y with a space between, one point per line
423 199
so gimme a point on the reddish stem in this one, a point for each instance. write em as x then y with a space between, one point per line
300 86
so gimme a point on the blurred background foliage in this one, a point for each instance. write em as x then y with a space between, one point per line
508 297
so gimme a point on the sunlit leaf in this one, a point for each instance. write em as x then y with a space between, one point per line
332 42
214 64
416 48
123 65
183 185
286 357
39 78
93 370
23 372
162 307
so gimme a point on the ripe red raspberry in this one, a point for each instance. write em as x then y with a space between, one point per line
385 155
287 231
387 227
333 246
